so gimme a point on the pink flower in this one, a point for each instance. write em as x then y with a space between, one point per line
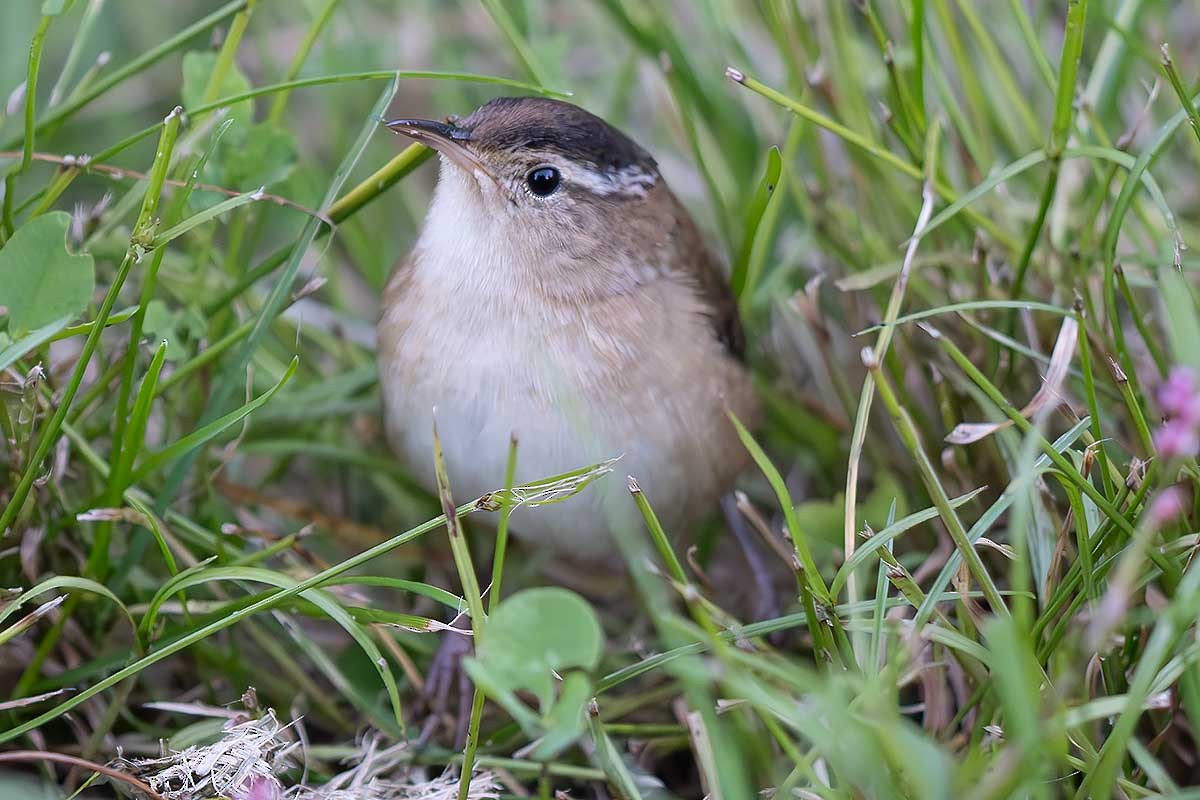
1175 438
1179 396
259 787
1168 505
1179 399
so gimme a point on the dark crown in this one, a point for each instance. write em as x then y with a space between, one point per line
537 123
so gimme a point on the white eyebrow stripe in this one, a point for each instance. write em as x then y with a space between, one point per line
630 181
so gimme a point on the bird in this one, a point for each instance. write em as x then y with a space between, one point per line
560 294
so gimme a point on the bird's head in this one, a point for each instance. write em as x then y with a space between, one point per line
542 174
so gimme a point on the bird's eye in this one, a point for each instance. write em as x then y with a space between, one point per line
543 181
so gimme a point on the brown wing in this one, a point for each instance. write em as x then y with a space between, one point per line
693 258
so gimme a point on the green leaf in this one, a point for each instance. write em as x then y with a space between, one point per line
267 156
609 760
799 536
67 582
29 342
84 328
740 279
567 719
823 519
532 637
212 212
249 156
135 431
197 67
451 601
409 622
40 282
536 633
180 329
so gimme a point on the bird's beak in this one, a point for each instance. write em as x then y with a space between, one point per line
448 139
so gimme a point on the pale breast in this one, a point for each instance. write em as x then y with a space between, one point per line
636 375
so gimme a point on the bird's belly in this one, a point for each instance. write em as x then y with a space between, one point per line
574 389
480 406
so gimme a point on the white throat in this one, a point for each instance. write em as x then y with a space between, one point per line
464 247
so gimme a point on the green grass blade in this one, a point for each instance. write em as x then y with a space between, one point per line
883 537
212 430
739 280
212 212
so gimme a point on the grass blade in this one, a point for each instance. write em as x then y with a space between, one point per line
212 430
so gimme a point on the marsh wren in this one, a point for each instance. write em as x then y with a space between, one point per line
559 292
